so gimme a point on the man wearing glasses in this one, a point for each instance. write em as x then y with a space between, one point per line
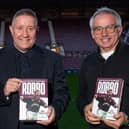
110 61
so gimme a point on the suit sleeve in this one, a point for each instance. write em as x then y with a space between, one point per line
61 94
82 97
4 100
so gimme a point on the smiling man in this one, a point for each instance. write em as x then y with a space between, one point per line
111 60
24 59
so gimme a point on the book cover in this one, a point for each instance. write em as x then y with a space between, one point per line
33 99
107 97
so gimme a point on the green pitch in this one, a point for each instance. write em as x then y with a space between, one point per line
71 118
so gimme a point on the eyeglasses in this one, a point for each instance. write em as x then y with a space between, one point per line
109 29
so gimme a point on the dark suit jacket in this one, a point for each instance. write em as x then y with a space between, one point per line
43 64
95 66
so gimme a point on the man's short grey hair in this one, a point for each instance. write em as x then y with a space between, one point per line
25 11
108 11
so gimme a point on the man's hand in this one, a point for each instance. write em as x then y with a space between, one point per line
51 116
12 85
89 116
121 118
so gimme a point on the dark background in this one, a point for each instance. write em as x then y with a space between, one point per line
70 21
61 8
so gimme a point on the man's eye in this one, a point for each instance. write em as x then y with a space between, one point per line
19 28
30 28
98 29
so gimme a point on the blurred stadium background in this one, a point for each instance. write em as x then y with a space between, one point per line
71 32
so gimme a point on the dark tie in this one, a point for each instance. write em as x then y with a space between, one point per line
25 66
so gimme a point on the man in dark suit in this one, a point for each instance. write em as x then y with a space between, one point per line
24 59
110 60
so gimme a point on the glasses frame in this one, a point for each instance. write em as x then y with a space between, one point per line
109 29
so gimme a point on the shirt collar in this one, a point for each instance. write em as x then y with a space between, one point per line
29 53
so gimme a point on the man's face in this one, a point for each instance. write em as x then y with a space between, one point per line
109 92
37 94
106 33
23 31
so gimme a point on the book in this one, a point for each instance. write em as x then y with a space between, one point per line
107 97
33 99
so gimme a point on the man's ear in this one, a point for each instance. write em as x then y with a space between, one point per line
10 27
92 34
120 29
